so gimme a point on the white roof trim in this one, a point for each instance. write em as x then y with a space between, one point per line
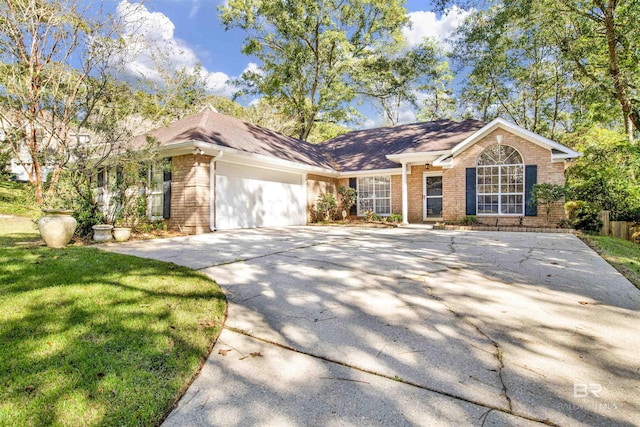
445 161
421 157
371 172
242 157
566 152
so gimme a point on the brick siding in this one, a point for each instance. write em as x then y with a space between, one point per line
190 195
454 186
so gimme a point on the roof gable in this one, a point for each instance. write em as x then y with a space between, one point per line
222 131
558 151
369 149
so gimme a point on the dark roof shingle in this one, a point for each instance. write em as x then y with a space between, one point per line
367 149
226 131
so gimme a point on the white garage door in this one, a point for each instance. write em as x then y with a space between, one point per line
248 197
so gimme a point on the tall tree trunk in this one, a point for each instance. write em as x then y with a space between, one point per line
614 68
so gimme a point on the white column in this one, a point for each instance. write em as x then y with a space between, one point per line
405 196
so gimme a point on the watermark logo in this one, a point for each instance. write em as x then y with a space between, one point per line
586 390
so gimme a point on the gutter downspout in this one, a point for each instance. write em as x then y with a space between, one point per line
212 191
405 192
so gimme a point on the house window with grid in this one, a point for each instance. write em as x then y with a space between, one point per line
374 194
500 181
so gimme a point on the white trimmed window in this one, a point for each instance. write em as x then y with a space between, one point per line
156 191
374 194
500 181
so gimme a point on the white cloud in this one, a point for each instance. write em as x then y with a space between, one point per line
150 40
426 24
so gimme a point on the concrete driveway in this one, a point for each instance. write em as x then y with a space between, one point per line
348 326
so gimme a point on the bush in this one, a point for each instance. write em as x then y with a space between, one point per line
348 197
546 195
607 174
583 215
397 218
469 220
326 207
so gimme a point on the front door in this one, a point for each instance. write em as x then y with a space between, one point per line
432 196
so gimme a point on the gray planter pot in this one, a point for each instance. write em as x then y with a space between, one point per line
121 234
57 227
102 232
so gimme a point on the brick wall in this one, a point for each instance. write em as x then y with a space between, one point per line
454 185
317 185
190 195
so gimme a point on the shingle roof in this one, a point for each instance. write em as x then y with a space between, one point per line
226 131
353 151
367 149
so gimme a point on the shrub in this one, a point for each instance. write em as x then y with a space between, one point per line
397 218
546 195
583 215
326 206
469 220
348 197
607 173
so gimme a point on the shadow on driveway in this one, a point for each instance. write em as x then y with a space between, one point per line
404 326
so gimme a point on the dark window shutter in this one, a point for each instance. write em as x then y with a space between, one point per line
471 191
530 179
101 177
166 199
353 183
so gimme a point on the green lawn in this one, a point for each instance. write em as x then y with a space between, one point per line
622 254
93 338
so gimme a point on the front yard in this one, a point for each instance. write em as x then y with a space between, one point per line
622 254
94 338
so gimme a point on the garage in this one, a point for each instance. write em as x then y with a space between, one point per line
249 197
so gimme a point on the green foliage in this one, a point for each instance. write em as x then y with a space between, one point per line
17 199
546 194
5 160
622 254
469 220
553 65
371 216
396 218
440 102
182 92
391 80
326 206
607 173
309 51
582 215
348 197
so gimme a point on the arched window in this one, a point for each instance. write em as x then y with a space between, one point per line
500 181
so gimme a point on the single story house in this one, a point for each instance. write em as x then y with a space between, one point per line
226 173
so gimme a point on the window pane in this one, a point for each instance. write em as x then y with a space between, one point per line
374 193
434 207
383 206
434 186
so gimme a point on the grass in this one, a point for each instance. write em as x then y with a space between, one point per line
93 338
622 254
17 199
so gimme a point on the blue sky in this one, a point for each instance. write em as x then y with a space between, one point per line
190 32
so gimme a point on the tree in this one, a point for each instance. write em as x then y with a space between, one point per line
550 50
547 194
55 61
439 102
309 50
601 39
607 174
392 80
515 70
